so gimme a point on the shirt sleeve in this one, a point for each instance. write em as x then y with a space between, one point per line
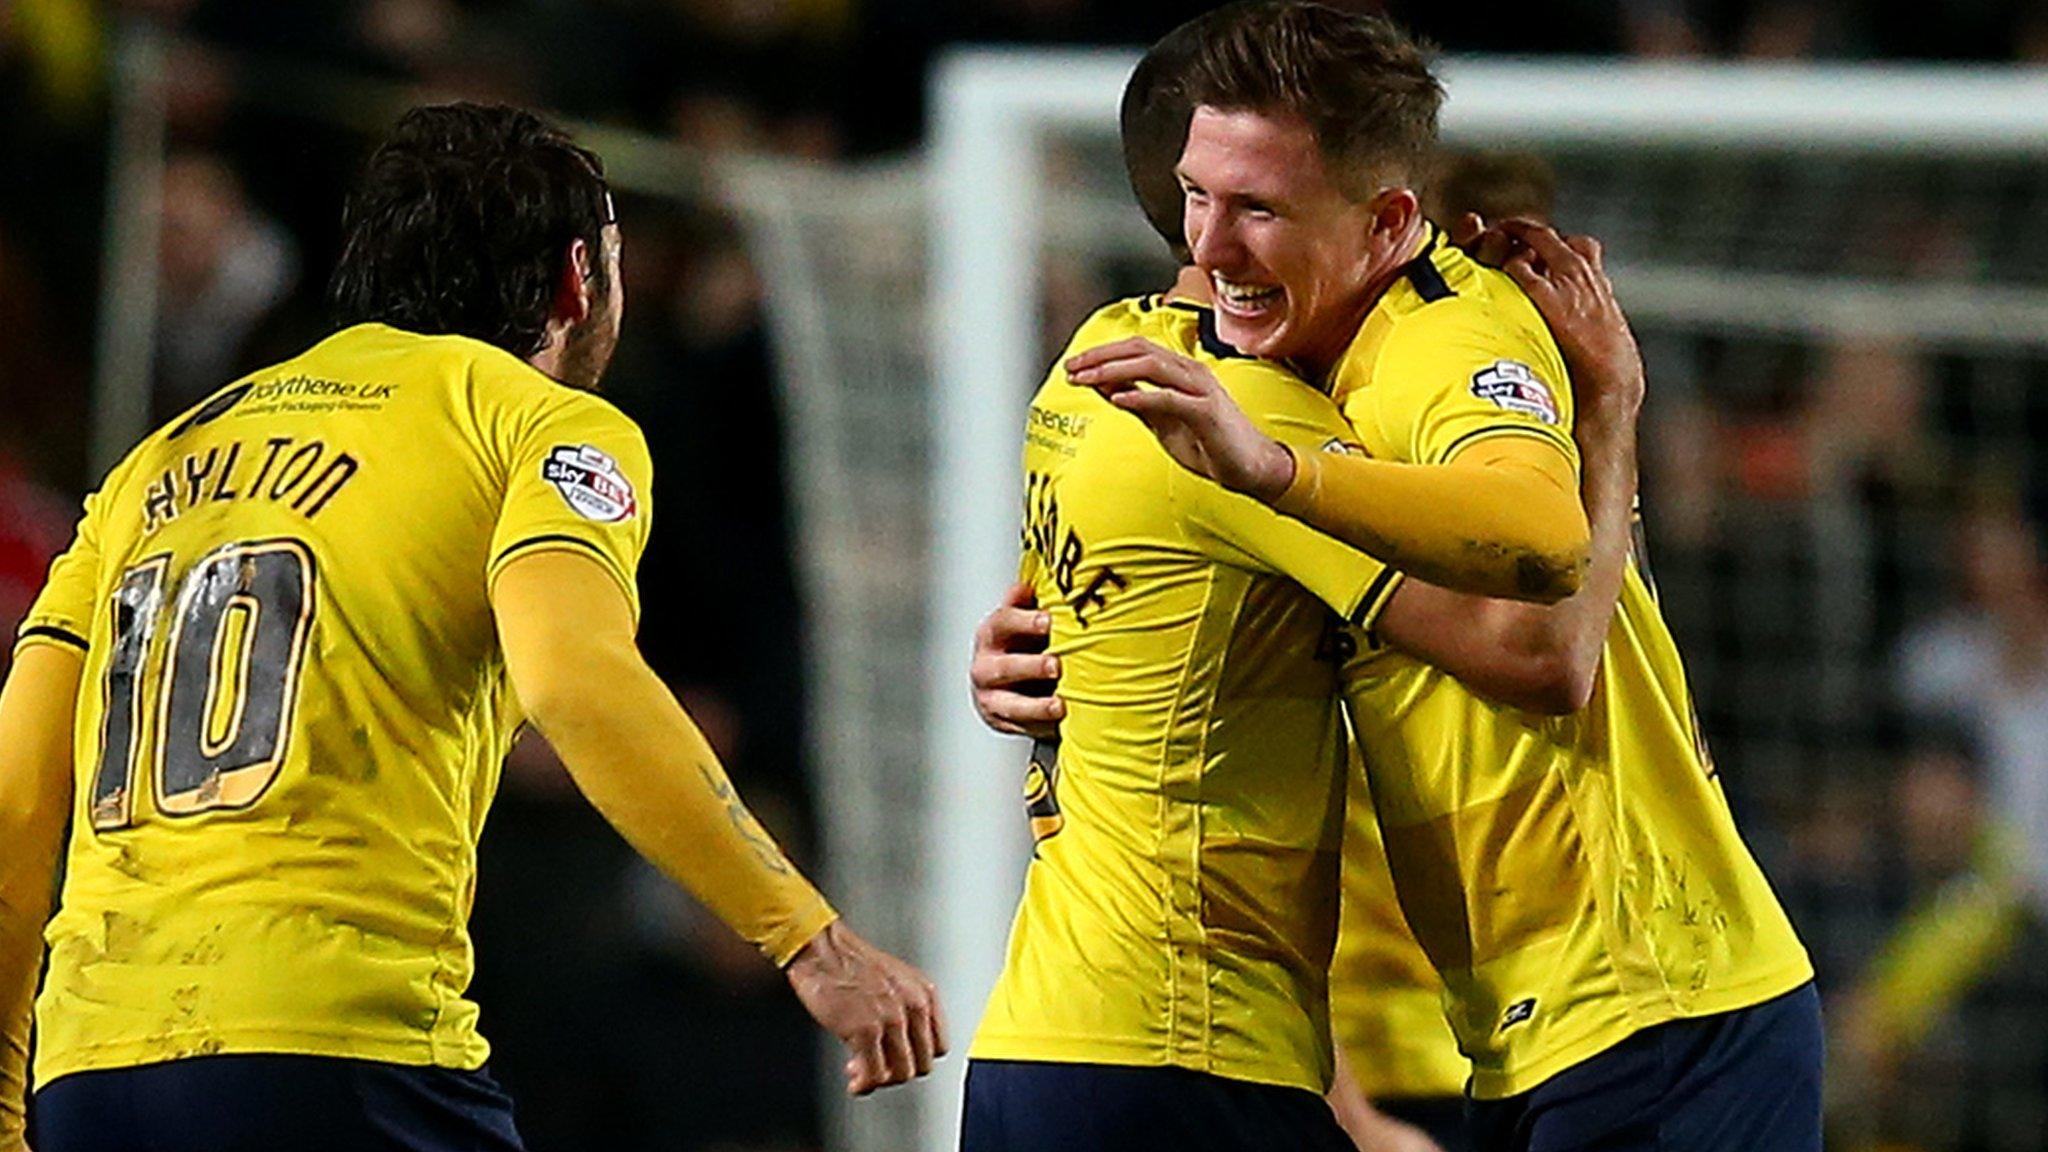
579 479
1239 530
1455 374
63 611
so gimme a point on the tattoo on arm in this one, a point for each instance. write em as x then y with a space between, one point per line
743 820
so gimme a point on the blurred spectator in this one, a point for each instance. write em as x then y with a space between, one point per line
765 75
1983 664
1938 810
223 267
42 372
554 937
409 35
1922 1050
40 391
35 525
722 619
1825 874
63 43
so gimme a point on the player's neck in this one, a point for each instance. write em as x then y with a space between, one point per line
549 358
1318 365
1190 285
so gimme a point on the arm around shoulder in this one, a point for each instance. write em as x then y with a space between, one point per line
1542 658
1507 651
1500 519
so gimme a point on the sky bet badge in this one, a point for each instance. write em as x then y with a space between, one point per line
1512 385
591 482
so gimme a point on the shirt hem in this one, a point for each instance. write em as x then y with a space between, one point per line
1495 1085
1069 1050
416 1052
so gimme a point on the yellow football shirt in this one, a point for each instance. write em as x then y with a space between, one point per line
1386 1000
1182 901
1574 879
295 708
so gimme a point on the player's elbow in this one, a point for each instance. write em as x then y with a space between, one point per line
1555 686
1551 570
1540 674
1543 535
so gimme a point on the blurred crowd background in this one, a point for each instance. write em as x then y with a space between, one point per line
1849 534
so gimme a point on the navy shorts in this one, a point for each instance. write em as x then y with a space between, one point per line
270 1102
1027 1106
1748 1079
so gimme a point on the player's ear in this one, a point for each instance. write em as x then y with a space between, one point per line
573 291
1393 212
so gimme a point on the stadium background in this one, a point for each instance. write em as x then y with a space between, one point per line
1847 515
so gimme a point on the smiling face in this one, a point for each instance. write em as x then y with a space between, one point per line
1293 262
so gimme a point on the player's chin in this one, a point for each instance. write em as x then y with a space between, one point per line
1263 333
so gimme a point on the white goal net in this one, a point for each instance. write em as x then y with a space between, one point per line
1841 280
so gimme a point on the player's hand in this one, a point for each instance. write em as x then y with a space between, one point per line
1197 422
1491 245
1370 1129
1566 278
1013 678
885 1011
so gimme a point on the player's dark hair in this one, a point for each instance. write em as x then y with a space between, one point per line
1359 82
460 224
1496 185
1153 123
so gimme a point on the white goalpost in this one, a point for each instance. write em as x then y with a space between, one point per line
990 114
994 113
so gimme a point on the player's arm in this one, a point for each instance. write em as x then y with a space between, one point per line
1369 1128
1546 658
1500 519
35 797
37 720
567 631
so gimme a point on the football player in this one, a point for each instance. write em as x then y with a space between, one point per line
1556 832
270 685
1165 981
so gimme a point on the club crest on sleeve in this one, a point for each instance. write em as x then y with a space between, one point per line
1513 385
591 482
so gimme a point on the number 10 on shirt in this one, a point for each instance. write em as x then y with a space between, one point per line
223 687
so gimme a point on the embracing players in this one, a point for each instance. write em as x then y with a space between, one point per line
270 685
1618 970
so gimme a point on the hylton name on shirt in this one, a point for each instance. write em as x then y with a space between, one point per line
301 474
